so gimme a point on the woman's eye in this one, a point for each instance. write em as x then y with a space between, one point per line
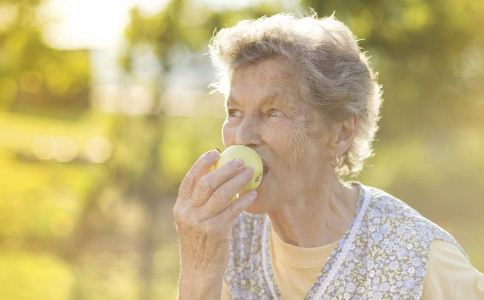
233 113
273 113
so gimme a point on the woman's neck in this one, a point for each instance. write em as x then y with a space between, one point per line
317 218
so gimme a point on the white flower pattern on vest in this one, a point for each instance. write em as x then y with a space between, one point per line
383 254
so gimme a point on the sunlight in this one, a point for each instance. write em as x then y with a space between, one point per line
90 24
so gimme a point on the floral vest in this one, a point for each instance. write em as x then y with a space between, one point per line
383 254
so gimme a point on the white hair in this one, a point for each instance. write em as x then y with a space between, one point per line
335 73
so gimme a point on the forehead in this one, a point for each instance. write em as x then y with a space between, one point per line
268 79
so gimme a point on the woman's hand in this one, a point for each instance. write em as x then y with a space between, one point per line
204 215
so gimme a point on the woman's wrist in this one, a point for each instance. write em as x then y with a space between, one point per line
199 286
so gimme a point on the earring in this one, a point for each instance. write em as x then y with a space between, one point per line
335 160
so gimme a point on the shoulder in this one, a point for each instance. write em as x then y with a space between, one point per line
443 251
399 217
383 204
450 275
393 219
406 221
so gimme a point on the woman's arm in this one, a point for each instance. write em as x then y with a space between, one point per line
199 287
204 215
450 276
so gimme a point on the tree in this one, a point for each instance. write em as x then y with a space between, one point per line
33 76
427 54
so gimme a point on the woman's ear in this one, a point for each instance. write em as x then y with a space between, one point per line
345 132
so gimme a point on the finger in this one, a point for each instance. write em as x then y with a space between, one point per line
224 194
198 169
235 208
211 181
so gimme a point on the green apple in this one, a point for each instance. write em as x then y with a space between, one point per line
250 158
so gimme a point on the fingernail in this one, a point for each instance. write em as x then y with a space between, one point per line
237 163
213 154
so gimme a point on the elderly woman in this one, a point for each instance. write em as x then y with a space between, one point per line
301 93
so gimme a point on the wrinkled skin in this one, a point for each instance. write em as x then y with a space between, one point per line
305 201
266 112
204 216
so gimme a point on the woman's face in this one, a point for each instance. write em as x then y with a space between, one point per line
265 111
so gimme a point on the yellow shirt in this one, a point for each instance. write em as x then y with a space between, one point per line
448 274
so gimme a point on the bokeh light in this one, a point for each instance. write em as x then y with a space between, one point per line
98 150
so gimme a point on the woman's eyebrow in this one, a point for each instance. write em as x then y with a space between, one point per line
231 100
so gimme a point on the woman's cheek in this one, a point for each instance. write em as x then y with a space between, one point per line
228 133
273 134
298 141
279 136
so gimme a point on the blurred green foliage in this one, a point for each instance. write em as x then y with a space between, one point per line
76 226
33 76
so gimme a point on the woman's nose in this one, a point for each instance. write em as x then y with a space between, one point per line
248 131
